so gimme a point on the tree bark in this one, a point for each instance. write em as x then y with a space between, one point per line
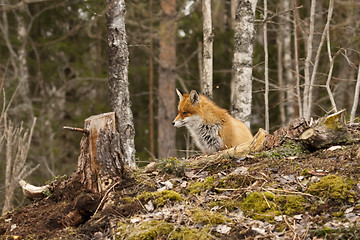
167 77
266 71
356 97
326 131
118 77
289 79
151 83
101 160
242 62
207 74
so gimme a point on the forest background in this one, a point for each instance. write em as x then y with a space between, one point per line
54 65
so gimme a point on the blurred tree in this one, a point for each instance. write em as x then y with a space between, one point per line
167 76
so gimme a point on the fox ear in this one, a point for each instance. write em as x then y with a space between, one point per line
194 97
180 94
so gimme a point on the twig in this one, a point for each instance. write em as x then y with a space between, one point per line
289 192
266 200
75 129
104 198
356 98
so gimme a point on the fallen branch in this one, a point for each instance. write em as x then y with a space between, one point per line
31 191
326 131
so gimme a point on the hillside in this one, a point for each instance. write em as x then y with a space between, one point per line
285 192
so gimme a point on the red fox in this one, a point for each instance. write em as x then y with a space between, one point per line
212 127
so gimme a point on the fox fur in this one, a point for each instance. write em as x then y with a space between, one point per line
211 127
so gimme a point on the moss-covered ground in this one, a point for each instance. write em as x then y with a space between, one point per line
286 193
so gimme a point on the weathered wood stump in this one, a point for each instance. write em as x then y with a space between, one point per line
100 161
100 168
326 131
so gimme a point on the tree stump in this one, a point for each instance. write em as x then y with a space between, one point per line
326 131
100 161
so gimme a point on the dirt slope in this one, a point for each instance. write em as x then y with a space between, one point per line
285 193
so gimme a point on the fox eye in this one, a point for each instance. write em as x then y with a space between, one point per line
185 113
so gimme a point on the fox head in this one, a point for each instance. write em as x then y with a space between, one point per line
188 108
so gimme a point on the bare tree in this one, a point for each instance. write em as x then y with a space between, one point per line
310 78
151 82
266 50
356 97
17 146
290 86
296 57
308 61
242 61
207 73
167 77
18 55
118 77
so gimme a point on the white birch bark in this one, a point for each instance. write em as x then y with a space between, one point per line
242 61
279 43
328 80
288 60
309 50
207 73
296 56
356 97
118 78
317 59
266 96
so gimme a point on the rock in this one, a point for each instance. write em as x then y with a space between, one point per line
168 184
224 229
150 167
149 206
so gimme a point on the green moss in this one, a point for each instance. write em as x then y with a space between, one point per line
185 233
207 217
287 149
236 181
172 166
160 198
260 205
198 187
151 230
265 205
305 172
334 188
352 232
229 205
160 230
291 204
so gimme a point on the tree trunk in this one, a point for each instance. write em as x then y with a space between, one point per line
289 78
151 83
118 77
167 76
242 62
207 74
266 71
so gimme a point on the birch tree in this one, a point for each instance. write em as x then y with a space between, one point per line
356 97
207 73
266 51
242 61
18 55
118 77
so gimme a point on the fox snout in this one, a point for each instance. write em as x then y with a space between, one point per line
178 123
